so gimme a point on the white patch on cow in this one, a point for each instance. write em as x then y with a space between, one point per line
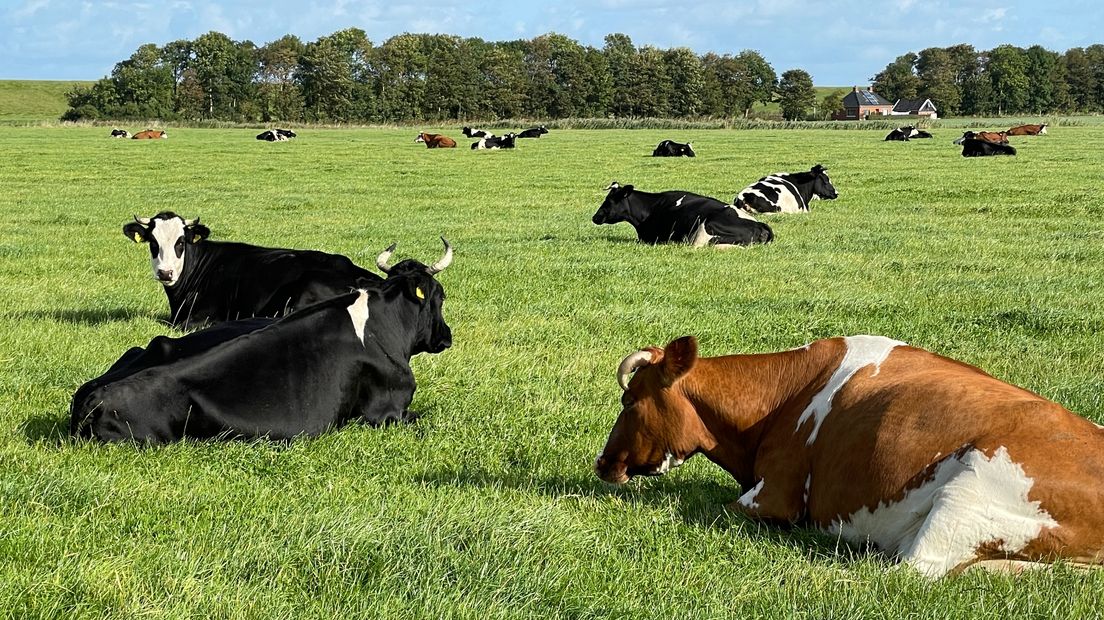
700 238
743 213
747 500
914 133
669 463
358 312
969 501
788 201
1042 131
166 233
678 203
808 484
862 351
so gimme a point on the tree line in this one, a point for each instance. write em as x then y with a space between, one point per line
963 81
344 77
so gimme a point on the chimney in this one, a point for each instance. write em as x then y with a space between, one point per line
870 88
854 89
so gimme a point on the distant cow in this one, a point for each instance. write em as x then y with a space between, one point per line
533 132
980 148
436 141
680 217
120 133
149 134
996 137
906 133
495 142
787 192
344 359
476 133
670 148
1028 130
276 135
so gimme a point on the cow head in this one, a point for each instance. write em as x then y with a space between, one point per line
822 185
615 207
687 149
420 138
168 236
658 428
965 136
417 284
1042 129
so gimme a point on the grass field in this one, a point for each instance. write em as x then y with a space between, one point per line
487 507
34 100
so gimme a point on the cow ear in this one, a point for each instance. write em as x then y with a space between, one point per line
415 290
197 233
136 232
678 358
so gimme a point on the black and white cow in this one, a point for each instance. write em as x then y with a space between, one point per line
344 359
211 281
533 132
972 147
680 217
495 142
786 192
276 135
904 134
120 133
670 148
477 133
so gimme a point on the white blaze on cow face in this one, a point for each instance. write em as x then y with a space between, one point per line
169 245
358 313
969 501
862 351
747 500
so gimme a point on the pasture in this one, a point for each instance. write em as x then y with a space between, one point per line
487 507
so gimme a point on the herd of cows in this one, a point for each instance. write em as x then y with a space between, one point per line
975 143
931 460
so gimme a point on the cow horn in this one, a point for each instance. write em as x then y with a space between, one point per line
630 364
144 221
191 222
381 260
440 265
613 185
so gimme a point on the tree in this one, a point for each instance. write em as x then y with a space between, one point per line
649 84
1081 80
796 94
1007 73
898 80
558 73
144 85
401 69
755 80
1041 72
326 77
937 75
504 85
619 51
686 82
279 96
832 103
224 70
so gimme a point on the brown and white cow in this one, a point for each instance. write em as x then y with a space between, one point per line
996 137
931 460
1028 130
149 134
436 141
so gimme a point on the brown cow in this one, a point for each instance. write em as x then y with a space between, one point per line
933 461
436 141
149 134
996 137
1028 130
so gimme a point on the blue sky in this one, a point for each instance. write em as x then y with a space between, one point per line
839 42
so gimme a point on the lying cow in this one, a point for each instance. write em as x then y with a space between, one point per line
120 133
996 137
933 461
436 141
495 142
680 217
343 359
981 148
670 148
476 133
906 133
787 192
533 132
150 134
1028 130
211 281
276 135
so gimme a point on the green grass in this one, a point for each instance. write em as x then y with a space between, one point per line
34 100
487 507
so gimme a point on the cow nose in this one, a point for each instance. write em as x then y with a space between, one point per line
164 275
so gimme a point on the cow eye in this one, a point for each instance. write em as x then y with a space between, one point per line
179 247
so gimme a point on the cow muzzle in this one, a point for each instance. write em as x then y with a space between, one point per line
164 276
611 472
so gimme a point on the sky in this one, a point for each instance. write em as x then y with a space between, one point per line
840 42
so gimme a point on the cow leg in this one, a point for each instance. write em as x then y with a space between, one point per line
774 499
700 238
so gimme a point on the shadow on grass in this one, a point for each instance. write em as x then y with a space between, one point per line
48 429
90 316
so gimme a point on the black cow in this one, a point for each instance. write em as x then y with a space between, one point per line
495 142
904 134
787 192
680 217
476 133
276 135
670 148
972 147
343 359
211 281
120 133
533 132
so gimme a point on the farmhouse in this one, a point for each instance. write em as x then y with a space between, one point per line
858 104
915 107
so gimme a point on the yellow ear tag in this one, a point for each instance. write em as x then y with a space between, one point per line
137 238
419 293
196 239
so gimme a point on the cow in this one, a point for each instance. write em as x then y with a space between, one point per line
670 148
495 142
680 217
150 134
981 148
996 137
476 133
436 141
1028 130
931 460
346 358
211 281
787 192
533 132
906 133
120 133
276 135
